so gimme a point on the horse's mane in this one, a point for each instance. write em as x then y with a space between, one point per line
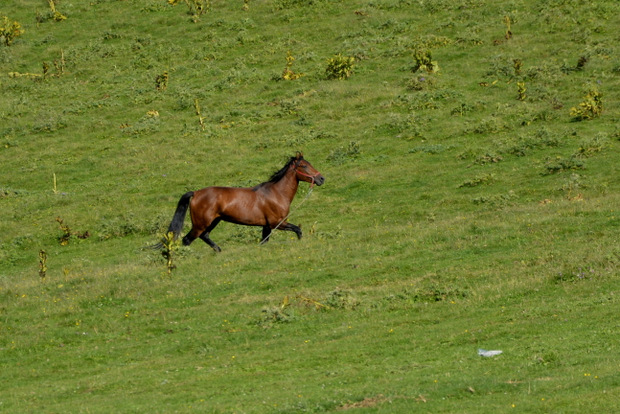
278 175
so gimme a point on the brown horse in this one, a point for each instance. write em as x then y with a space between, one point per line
265 205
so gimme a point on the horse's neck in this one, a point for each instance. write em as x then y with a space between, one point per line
287 186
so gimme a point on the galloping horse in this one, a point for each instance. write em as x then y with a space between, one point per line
266 205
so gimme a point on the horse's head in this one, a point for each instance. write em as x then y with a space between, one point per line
306 172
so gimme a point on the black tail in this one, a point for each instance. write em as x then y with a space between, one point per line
179 215
177 220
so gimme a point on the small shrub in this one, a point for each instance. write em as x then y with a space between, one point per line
42 264
591 146
339 67
55 14
436 293
500 66
341 299
507 22
581 62
420 83
288 73
469 37
521 91
196 7
289 4
9 192
48 124
575 274
572 184
332 234
496 201
9 30
274 315
161 81
429 149
590 108
474 182
462 109
169 248
344 154
488 126
68 234
488 158
560 164
148 124
548 358
424 60
517 65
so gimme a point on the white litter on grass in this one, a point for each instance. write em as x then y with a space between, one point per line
485 353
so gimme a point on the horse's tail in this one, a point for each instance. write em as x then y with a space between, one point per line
176 225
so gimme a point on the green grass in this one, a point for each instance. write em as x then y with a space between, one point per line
454 216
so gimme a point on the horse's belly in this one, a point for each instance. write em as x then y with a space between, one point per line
244 209
240 206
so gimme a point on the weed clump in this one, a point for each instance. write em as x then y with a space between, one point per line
288 73
496 201
573 184
344 154
55 14
521 91
560 164
42 264
67 233
474 182
161 81
592 146
148 124
424 60
575 274
9 30
341 299
590 108
169 248
436 293
274 315
340 67
420 83
196 8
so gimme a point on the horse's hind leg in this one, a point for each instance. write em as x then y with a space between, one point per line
292 227
191 236
204 236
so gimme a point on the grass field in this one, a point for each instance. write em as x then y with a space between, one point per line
471 201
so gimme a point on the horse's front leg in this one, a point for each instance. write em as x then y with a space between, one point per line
266 234
291 227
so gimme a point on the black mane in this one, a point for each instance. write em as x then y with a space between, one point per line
278 175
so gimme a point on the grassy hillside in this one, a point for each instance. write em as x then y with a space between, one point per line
471 201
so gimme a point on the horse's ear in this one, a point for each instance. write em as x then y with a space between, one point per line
299 156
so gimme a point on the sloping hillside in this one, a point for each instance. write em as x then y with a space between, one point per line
471 201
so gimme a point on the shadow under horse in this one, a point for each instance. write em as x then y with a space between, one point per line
265 205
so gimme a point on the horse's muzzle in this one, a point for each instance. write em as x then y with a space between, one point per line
319 180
